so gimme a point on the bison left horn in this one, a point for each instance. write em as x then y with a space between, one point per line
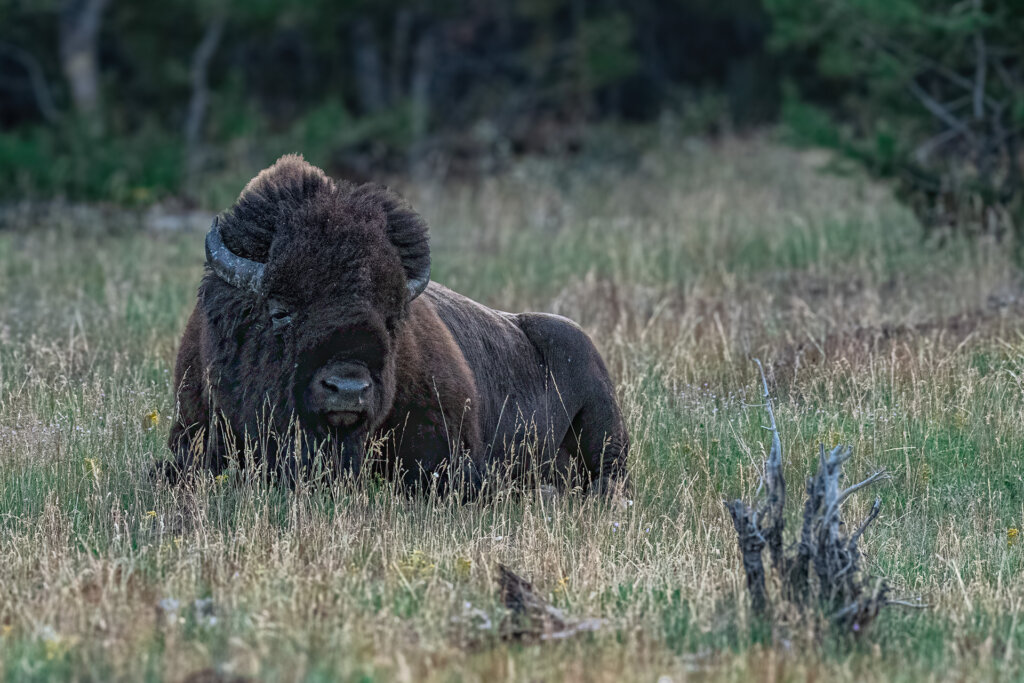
230 267
415 285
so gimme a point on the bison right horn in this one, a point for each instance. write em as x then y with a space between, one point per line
230 267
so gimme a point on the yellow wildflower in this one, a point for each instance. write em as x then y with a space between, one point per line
1012 534
220 479
55 645
417 564
463 565
151 419
151 513
58 647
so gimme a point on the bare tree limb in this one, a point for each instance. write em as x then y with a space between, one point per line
776 483
1008 80
846 493
424 57
923 151
875 508
34 70
938 111
900 51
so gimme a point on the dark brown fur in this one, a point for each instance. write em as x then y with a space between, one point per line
457 387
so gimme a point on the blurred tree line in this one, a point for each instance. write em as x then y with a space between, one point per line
928 92
132 101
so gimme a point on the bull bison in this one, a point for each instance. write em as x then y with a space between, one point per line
317 331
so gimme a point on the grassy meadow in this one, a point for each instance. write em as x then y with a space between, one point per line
683 264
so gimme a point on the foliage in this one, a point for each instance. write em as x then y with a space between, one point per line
67 161
928 92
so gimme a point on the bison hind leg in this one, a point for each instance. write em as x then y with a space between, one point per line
596 436
598 448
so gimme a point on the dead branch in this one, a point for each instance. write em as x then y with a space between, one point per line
37 79
775 503
938 110
531 616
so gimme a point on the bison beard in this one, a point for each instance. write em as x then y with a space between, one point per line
317 331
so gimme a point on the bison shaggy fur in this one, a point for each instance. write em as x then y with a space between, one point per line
316 339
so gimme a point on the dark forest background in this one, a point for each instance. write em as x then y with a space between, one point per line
136 102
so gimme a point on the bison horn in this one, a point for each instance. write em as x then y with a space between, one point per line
416 285
230 267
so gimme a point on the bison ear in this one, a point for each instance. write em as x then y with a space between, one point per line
408 232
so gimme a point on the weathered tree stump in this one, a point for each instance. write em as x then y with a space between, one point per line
838 585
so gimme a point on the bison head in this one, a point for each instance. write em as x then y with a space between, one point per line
308 286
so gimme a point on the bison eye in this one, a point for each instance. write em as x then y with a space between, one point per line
279 316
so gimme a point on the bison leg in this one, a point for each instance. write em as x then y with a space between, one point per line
195 449
599 438
581 391
191 441
430 450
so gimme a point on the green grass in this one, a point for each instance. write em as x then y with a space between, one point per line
682 269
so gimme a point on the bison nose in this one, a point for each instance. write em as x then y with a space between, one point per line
347 391
341 391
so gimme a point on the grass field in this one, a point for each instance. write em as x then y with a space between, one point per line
683 265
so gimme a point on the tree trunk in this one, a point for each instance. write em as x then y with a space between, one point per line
200 95
399 52
80 22
369 68
422 77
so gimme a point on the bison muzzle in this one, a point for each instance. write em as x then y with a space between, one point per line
318 337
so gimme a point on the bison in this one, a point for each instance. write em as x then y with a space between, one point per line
318 332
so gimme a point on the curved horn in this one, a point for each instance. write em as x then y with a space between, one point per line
417 283
230 267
